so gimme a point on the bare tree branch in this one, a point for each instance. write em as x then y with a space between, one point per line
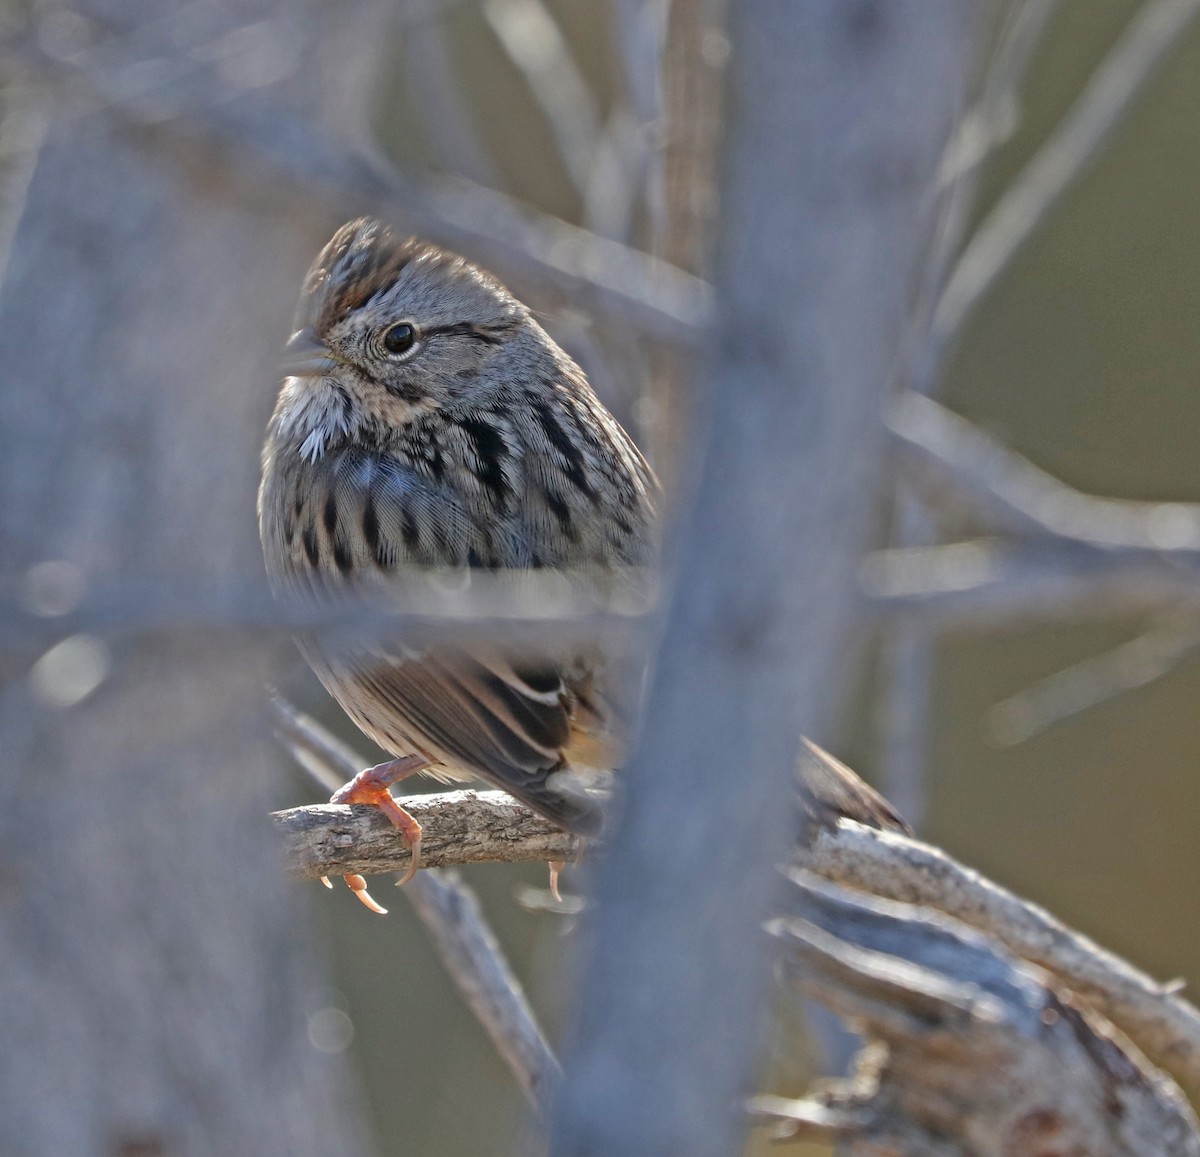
534 43
460 827
1067 553
475 960
841 115
907 651
1161 648
466 827
433 81
1007 490
893 867
988 583
522 608
983 1057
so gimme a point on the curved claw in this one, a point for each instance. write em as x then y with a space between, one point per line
414 847
359 887
556 866
371 786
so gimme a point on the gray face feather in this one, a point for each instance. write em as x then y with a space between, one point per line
367 281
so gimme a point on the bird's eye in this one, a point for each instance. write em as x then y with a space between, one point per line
399 338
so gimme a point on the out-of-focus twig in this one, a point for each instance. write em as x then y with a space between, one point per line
534 43
1073 145
813 278
907 652
538 609
1169 640
446 906
638 127
966 464
433 82
272 148
995 115
987 584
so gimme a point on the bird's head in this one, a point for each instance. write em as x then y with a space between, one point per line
389 328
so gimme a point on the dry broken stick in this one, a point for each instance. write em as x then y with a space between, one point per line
973 1053
1155 1016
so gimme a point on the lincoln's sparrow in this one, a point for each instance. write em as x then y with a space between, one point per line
427 420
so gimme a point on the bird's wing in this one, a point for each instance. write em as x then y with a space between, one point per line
506 721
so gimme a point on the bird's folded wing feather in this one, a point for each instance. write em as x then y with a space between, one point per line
505 721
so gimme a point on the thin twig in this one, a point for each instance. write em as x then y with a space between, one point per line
907 653
988 584
1171 638
451 913
1073 145
433 82
530 36
1010 491
640 35
541 608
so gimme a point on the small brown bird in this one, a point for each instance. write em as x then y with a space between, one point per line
427 420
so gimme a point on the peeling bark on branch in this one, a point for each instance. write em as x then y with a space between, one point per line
460 827
975 1054
1163 1023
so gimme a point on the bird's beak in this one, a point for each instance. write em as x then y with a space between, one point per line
305 356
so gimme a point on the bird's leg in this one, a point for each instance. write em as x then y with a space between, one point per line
556 867
371 786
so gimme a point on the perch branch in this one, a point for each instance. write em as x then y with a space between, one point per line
463 827
460 827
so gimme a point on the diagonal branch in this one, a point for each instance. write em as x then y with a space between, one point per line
464 827
259 140
1010 491
983 1055
893 867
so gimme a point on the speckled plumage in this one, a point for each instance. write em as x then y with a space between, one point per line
482 446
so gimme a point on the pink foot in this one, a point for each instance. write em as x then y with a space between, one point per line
371 786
